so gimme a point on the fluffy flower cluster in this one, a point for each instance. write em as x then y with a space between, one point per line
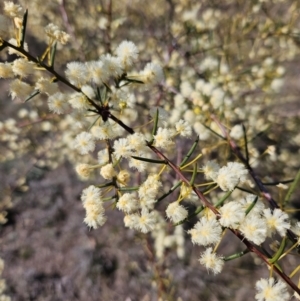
22 67
109 66
13 10
46 86
6 70
152 74
133 145
148 191
128 203
176 212
55 34
276 221
211 261
144 222
261 222
227 177
108 171
232 214
163 138
19 89
183 128
57 103
84 142
271 290
93 204
84 170
128 54
256 226
211 169
230 176
207 231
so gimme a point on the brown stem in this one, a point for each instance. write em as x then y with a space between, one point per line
253 249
